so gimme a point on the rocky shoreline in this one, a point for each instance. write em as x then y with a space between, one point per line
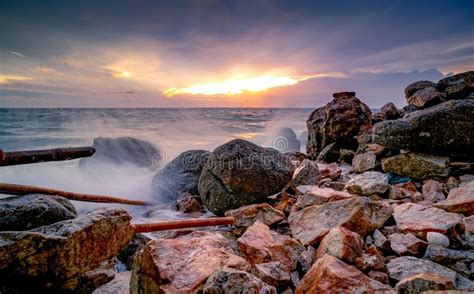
380 202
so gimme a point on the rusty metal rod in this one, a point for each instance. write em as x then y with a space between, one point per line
13 189
181 224
34 156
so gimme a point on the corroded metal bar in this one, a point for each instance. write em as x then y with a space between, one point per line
181 224
34 156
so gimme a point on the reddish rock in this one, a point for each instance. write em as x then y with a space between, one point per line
182 264
329 274
413 87
187 202
259 244
404 190
307 173
246 216
407 244
358 214
426 97
282 202
272 273
460 200
379 276
419 220
313 195
423 282
433 191
331 171
234 281
341 243
371 259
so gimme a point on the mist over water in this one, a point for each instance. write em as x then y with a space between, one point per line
171 131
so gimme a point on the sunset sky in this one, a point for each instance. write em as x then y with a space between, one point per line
226 53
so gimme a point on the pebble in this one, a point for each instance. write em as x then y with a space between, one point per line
437 239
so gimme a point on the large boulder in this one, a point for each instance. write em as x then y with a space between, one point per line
180 175
67 256
458 86
32 211
183 264
418 166
413 87
442 129
240 173
358 214
236 281
426 97
336 122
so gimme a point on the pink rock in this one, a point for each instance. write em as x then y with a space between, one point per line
407 244
246 216
341 243
371 259
460 200
313 195
433 191
330 171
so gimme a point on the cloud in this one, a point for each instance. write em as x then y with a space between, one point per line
17 54
8 78
46 70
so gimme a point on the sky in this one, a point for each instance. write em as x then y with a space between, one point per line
247 53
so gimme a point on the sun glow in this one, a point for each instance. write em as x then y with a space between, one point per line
123 74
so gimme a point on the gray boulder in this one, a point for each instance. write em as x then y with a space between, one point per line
239 173
413 87
459 86
388 111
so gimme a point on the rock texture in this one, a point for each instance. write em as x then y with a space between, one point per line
413 87
364 162
342 244
424 282
460 200
388 111
235 281
32 211
459 86
239 173
246 216
407 244
337 122
426 97
368 183
415 165
273 273
307 173
313 195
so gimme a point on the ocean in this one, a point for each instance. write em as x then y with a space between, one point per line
171 130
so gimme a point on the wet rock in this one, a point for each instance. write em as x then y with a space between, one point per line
272 273
426 97
119 285
459 200
259 245
235 281
180 175
286 141
371 259
239 173
341 243
187 202
413 87
364 162
418 166
388 111
433 191
368 183
379 276
329 273
443 129
459 86
424 282
407 244
128 253
313 195
444 255
32 211
307 173
437 239
406 266
419 220
67 255
182 264
336 122
358 214
246 216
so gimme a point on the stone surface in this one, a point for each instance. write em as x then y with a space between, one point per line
358 214
331 171
444 129
246 216
379 276
187 202
419 220
444 255
119 285
180 175
259 245
364 162
380 241
336 122
434 238
341 243
65 256
413 87
459 86
127 255
459 200
433 191
272 273
371 259
406 266
426 97
235 281
307 173
424 282
239 173
313 195
182 264
415 165
404 190
468 224
368 183
387 111
329 273
32 211
407 244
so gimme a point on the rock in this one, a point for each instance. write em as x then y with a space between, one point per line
407 244
239 173
180 175
458 86
460 200
286 141
437 239
282 202
329 274
307 258
119 285
259 245
408 109
330 153
415 165
413 87
380 241
336 122
433 191
443 129
444 255
123 150
388 111
187 202
468 224
358 214
379 276
341 243
235 281
67 255
331 171
313 195
368 183
246 216
451 183
182 264
426 97
406 266
371 260
32 211
404 190
419 220
307 173
128 253
423 282
364 162
272 273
